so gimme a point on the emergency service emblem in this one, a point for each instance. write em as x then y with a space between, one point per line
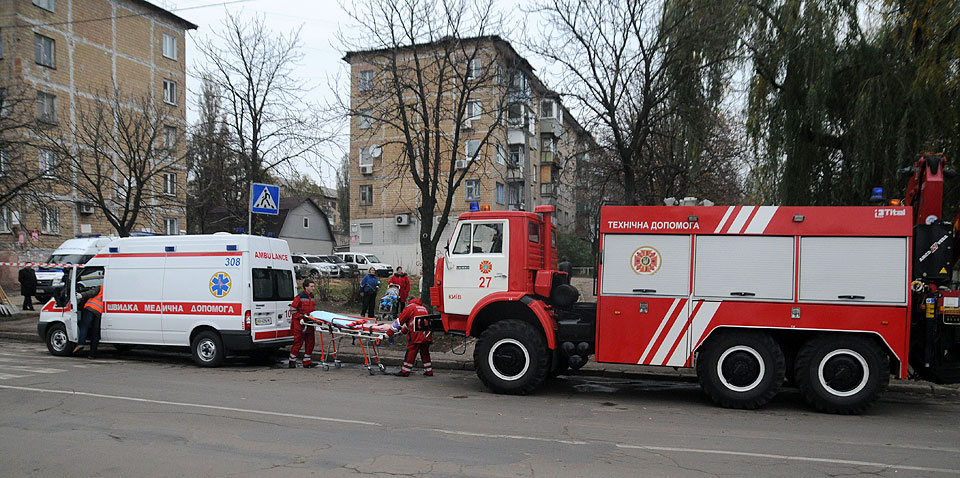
645 260
486 267
220 284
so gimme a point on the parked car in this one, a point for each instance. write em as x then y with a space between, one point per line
313 267
346 270
365 261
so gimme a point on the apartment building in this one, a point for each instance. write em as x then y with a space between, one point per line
61 58
517 143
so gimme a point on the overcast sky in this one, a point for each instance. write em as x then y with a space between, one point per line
321 20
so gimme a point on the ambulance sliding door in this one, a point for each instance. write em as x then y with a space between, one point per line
131 291
642 308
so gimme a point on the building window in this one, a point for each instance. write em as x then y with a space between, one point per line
170 138
474 69
365 120
170 92
501 193
1 45
44 50
473 148
5 223
547 109
45 4
4 161
365 80
515 114
366 195
170 226
170 184
48 163
46 107
169 46
306 223
3 102
474 109
366 156
472 190
366 234
49 220
501 154
516 155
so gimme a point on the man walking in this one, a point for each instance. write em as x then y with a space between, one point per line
417 341
303 335
28 286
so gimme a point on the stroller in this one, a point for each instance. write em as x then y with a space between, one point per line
389 303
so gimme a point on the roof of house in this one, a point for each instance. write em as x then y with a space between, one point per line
167 13
496 39
274 224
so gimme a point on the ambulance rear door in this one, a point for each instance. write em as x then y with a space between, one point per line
273 288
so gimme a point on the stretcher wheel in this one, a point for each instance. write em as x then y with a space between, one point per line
371 371
336 364
382 368
326 367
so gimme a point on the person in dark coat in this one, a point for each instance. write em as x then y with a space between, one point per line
90 304
564 266
28 286
369 286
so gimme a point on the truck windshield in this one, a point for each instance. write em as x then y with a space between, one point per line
69 258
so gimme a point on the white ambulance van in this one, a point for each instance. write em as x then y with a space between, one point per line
217 294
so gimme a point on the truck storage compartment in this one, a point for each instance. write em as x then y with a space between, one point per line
647 264
854 269
744 267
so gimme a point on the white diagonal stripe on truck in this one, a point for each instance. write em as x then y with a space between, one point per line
761 220
656 334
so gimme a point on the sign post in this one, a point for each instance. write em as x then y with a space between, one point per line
264 199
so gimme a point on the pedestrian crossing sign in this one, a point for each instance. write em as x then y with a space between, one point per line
265 199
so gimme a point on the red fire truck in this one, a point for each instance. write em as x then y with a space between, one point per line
835 299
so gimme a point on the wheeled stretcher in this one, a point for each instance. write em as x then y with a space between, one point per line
367 331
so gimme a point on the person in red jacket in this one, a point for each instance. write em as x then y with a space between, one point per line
417 341
302 305
403 281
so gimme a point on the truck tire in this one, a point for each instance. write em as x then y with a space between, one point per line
57 342
741 369
207 349
511 357
844 375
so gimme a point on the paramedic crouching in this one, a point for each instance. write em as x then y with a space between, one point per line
303 335
90 303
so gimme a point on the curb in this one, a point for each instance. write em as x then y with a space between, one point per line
900 386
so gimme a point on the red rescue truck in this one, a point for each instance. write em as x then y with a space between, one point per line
835 299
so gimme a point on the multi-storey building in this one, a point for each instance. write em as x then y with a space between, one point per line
63 56
525 145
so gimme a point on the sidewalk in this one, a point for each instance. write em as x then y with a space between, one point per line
23 328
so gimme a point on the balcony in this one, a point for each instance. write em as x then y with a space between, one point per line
516 135
551 126
548 190
514 173
550 158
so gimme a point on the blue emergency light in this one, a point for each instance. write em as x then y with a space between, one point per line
168 248
239 230
232 247
114 250
877 194
474 206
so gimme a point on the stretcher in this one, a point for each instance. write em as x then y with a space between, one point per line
368 332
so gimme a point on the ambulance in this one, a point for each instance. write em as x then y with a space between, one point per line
77 250
216 294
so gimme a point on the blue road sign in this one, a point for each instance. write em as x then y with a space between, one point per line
265 199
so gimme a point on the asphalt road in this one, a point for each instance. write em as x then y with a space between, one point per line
155 414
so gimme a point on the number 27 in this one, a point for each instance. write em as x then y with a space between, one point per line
485 282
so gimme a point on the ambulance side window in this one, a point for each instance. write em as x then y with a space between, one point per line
463 240
284 282
272 285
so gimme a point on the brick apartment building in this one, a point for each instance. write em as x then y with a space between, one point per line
529 158
62 55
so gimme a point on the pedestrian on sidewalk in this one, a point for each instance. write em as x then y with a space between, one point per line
417 341
369 286
303 335
90 303
28 286
403 281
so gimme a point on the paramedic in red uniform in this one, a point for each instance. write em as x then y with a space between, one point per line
417 341
403 282
302 305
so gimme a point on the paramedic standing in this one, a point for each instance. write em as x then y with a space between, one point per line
369 286
417 341
403 281
90 303
302 305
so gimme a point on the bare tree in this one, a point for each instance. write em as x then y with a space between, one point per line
632 64
270 121
116 158
20 175
432 62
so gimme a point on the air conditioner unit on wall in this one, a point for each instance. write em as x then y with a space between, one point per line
366 169
402 219
462 164
86 208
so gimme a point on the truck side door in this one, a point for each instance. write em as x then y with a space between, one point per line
477 265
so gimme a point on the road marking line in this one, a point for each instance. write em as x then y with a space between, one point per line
789 457
27 368
514 437
191 405
8 376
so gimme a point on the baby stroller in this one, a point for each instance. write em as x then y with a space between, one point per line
389 303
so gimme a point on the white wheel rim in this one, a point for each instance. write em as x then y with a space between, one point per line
859 358
493 368
756 355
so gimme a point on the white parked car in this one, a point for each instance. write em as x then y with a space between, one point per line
365 261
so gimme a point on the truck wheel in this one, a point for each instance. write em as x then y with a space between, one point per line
511 357
842 374
741 369
207 349
57 342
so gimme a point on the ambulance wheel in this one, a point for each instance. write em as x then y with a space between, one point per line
844 375
57 342
511 357
740 369
207 349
